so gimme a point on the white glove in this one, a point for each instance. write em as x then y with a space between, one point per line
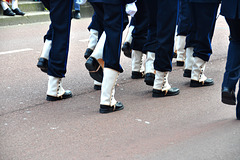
81 2
131 9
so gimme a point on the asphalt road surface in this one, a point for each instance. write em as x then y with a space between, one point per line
194 125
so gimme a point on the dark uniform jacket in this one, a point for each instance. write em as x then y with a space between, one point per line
113 1
230 9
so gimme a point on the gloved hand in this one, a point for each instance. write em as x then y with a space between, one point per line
81 2
131 9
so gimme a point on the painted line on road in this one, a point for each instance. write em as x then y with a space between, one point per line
84 40
16 51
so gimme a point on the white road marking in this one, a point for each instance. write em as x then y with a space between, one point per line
16 51
84 40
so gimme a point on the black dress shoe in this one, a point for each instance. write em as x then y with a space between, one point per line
43 64
180 63
149 79
88 53
77 14
137 75
67 94
107 109
187 73
8 12
170 92
18 12
126 48
97 87
94 68
228 96
207 82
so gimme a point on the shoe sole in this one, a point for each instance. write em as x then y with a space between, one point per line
108 111
95 73
50 98
200 84
164 95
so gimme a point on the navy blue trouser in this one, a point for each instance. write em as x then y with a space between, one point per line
238 102
163 17
96 24
60 15
49 34
139 33
184 18
112 17
203 18
232 70
151 43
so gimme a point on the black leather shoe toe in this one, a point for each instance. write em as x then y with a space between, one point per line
137 75
207 82
18 12
43 64
149 79
88 53
187 73
228 96
180 63
67 94
170 92
94 68
97 87
126 48
107 109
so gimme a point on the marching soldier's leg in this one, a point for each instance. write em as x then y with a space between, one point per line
150 75
59 51
55 90
43 59
95 28
129 35
188 62
93 38
198 79
204 17
108 102
151 43
139 35
161 86
165 38
180 47
93 64
184 22
126 48
232 69
136 64
111 53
